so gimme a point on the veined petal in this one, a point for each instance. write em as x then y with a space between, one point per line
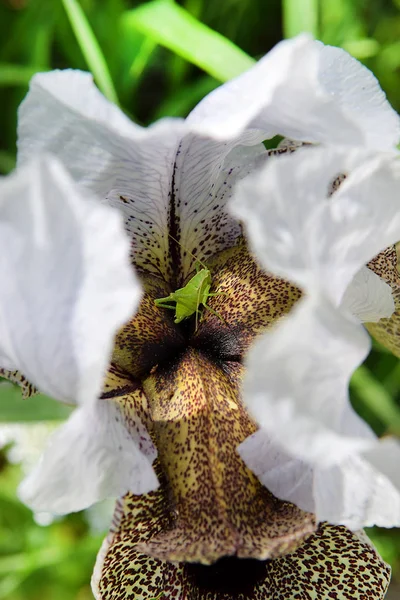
163 179
305 91
190 184
205 174
93 456
319 241
296 383
67 282
368 297
130 166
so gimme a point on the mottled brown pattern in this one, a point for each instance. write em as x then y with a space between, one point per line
151 336
220 508
27 388
129 396
209 507
332 564
336 183
387 331
249 301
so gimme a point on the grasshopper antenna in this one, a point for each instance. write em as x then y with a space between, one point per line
188 251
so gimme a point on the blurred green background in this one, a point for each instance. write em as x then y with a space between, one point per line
158 58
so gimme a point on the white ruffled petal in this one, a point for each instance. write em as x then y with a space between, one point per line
385 458
368 297
357 90
315 240
355 495
296 384
288 478
67 284
91 457
130 166
281 206
293 92
352 493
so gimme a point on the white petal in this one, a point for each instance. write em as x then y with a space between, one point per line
281 206
296 384
368 297
91 457
316 241
352 493
355 88
205 174
385 458
65 114
291 92
288 478
355 495
67 284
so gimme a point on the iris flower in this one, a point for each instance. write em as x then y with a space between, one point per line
226 490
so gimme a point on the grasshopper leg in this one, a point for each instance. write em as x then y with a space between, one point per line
167 306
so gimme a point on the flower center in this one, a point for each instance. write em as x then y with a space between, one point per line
187 391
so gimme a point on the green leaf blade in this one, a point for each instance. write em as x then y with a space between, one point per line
176 29
375 396
90 49
300 16
15 409
16 75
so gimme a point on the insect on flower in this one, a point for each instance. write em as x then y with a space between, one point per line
194 294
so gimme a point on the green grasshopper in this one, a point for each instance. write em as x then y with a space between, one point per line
193 295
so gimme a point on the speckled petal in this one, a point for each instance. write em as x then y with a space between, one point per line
387 331
65 114
332 563
27 389
218 505
368 297
205 174
248 301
